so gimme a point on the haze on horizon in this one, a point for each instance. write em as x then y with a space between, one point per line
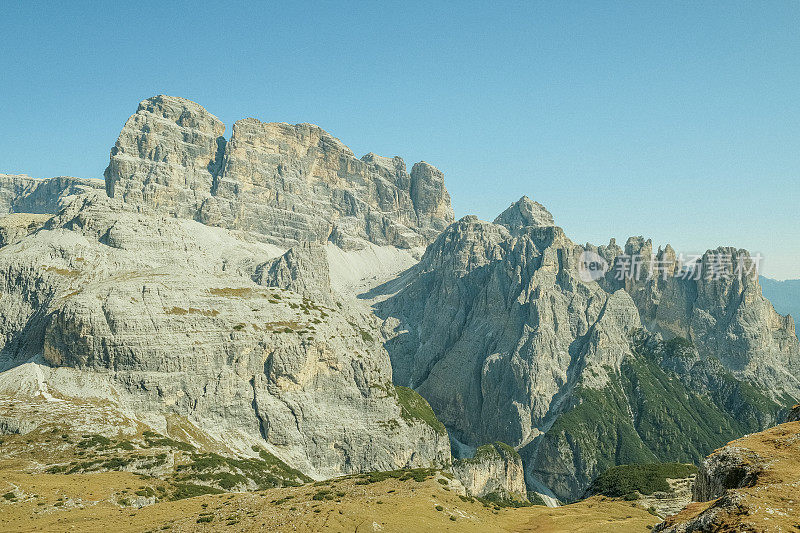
678 122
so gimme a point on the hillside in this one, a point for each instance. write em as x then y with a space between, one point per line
748 485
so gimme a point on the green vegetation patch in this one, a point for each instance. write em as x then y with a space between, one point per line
417 474
489 451
414 408
267 471
94 441
650 411
153 439
190 490
624 480
496 499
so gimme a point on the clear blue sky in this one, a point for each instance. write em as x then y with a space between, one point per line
675 120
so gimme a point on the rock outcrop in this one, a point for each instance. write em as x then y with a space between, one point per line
23 194
303 269
524 213
731 467
284 184
17 226
668 503
748 485
794 414
495 471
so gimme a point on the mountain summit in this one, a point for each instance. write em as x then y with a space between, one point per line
523 213
280 183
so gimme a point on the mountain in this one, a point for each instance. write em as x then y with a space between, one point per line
131 303
161 316
280 183
498 331
785 296
266 309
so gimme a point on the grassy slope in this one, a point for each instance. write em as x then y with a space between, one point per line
52 479
652 415
178 469
415 407
771 504
86 503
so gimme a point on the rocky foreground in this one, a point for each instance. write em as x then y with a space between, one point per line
752 484
748 485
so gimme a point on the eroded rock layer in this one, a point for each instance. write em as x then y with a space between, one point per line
112 300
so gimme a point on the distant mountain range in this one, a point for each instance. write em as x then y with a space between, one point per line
785 297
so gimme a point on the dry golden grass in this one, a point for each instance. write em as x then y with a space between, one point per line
90 502
773 503
108 501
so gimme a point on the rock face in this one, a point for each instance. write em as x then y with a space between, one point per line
794 414
23 194
480 324
670 502
494 471
785 296
161 315
166 156
303 269
523 213
731 467
720 310
15 426
496 328
284 184
17 226
26 203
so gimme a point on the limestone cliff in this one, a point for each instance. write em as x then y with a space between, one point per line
494 471
716 303
23 194
160 316
284 184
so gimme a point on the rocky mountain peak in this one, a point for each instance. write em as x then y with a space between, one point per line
465 245
281 183
524 213
165 156
183 112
